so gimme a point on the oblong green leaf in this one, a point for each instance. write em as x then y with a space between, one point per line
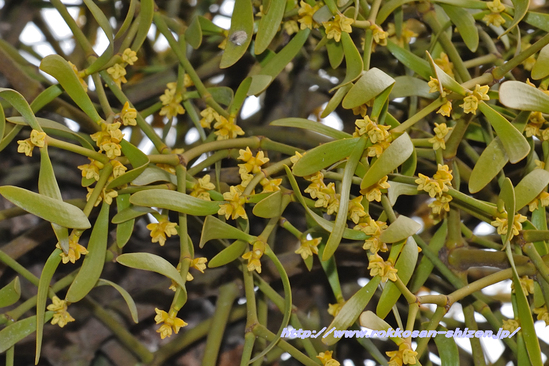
406 86
229 254
541 67
49 209
370 320
324 155
153 263
396 154
307 124
146 14
272 205
335 53
371 84
336 100
444 79
465 24
518 95
125 294
94 261
530 187
17 331
352 309
2 122
268 25
400 229
10 293
18 102
240 34
193 34
507 195
521 8
58 67
447 348
45 97
490 163
214 228
410 60
174 201
124 230
130 213
514 143
353 60
127 21
137 158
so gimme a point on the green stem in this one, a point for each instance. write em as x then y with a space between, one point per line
419 116
13 264
97 190
470 322
500 71
180 296
540 264
75 29
77 149
433 324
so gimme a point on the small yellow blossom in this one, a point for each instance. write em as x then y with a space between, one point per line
294 159
171 323
118 169
444 63
270 185
360 110
542 198
254 256
317 184
529 62
92 169
535 122
406 35
481 92
82 82
112 150
495 6
37 138
75 251
290 27
105 195
510 325
526 283
335 27
441 204
25 147
227 128
198 264
252 164
379 35
470 104
61 316
234 208
161 229
428 185
201 188
128 115
223 43
208 116
404 355
439 140
328 198
539 164
308 247
542 314
375 132
446 109
501 224
306 13
356 210
373 193
118 74
378 148
434 86
443 176
373 229
187 81
334 309
494 19
108 139
381 268
326 359
129 56
171 101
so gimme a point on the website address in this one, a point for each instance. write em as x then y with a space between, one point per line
457 333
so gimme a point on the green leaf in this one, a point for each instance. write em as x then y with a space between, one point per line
2 122
268 25
444 79
388 8
45 97
541 67
405 265
406 86
370 320
272 206
125 294
259 84
124 230
15 332
10 293
538 20
94 261
130 213
353 60
216 229
372 83
311 126
341 217
530 187
465 24
396 154
447 348
324 155
521 8
127 21
229 254
57 67
352 309
20 104
410 60
402 228
240 34
335 53
514 143
490 163
193 34
153 263
49 209
336 100
222 94
396 189
518 95
137 158
507 195
174 201
146 14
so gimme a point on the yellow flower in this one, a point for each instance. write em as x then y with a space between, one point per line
160 230
535 122
434 86
529 62
294 159
441 204
445 109
306 13
443 177
539 164
444 63
334 309
227 128
376 133
270 185
128 115
356 210
252 164
82 82
223 43
379 35
201 188
360 110
118 73
542 198
494 19
61 316
25 147
317 184
470 104
378 148
118 169
129 56
510 325
254 256
526 283
199 264
108 139
426 184
75 251
439 140
373 229
501 224
406 35
187 81
291 27
340 24
326 358
542 314
208 116
171 101
37 138
495 6
112 150
404 355
373 193
381 268
481 92
308 247
328 198
171 323
91 170
234 208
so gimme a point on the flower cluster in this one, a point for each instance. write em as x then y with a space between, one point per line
439 140
128 115
75 251
526 283
326 359
325 195
444 63
171 101
61 316
542 314
434 86
339 24
118 70
494 17
381 268
308 247
404 355
198 264
542 198
436 187
378 134
105 195
26 146
234 208
161 229
356 210
502 225
535 123
201 188
510 325
108 139
171 323
254 256
306 13
379 36
225 128
373 229
470 102
373 193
